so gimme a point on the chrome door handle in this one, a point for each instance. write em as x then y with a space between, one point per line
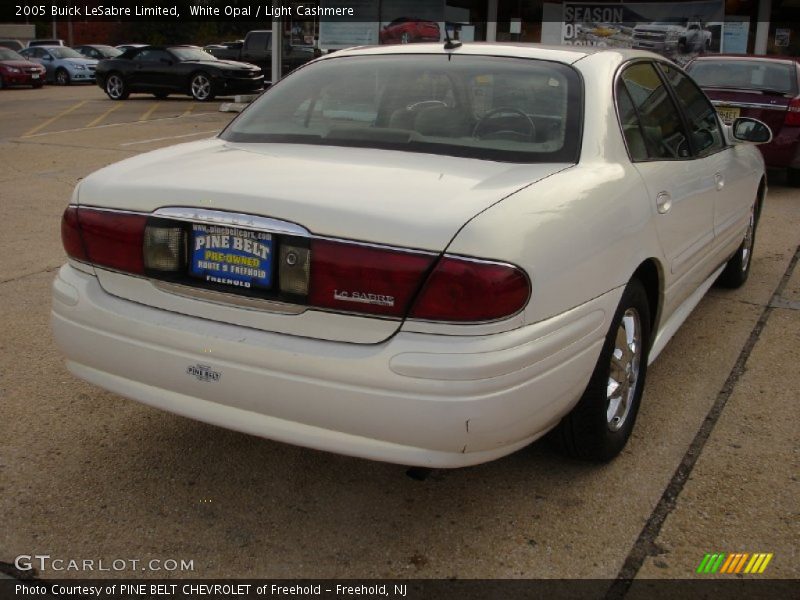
719 181
663 202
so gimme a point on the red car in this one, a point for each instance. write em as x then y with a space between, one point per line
15 70
765 88
405 31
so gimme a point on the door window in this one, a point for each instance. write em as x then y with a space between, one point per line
703 125
661 124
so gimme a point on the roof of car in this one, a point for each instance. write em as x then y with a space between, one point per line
564 54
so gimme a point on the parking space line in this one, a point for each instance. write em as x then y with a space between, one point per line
102 117
170 137
203 114
149 112
52 120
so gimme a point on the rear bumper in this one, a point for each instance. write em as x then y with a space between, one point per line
416 399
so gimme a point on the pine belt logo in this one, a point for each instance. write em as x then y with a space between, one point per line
734 563
203 373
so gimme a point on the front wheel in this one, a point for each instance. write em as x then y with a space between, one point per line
738 268
116 88
599 426
200 87
62 77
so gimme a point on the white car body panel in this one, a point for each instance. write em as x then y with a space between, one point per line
413 392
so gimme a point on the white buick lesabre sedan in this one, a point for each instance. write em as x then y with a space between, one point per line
424 254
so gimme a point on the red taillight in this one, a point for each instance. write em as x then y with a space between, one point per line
365 279
793 112
71 234
110 239
465 290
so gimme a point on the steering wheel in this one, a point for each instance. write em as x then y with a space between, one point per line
478 134
425 104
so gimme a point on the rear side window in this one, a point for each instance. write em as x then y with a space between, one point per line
703 125
661 125
631 127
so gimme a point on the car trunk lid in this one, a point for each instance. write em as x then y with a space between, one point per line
383 198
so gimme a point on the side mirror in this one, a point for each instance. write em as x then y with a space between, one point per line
745 129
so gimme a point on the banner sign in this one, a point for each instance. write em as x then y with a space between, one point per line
676 30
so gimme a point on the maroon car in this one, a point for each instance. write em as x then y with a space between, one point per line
15 70
765 88
406 31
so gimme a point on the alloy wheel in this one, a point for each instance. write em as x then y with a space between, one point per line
114 86
201 87
624 373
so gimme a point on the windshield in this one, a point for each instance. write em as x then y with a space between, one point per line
192 54
6 54
745 75
505 109
61 52
108 51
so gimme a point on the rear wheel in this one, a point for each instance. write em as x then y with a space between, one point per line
738 268
200 87
62 77
116 88
599 426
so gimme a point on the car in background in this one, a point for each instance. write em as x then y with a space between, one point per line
375 260
164 70
16 70
407 31
14 45
125 47
226 50
64 65
761 87
97 51
46 42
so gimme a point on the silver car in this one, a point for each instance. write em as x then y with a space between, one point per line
63 65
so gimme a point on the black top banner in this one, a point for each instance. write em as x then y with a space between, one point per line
24 11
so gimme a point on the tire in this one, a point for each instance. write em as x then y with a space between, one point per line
599 426
115 87
200 87
62 77
405 38
738 268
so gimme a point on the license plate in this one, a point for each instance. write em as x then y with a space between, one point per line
728 114
231 257
35 76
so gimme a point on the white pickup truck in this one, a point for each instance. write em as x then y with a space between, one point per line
667 37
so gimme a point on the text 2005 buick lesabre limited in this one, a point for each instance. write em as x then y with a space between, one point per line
422 254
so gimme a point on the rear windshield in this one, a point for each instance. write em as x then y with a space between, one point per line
745 75
504 109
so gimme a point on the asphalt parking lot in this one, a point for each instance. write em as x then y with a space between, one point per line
713 465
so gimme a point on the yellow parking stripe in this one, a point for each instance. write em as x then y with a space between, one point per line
764 564
52 120
149 112
102 117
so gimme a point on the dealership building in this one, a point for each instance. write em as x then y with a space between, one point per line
738 26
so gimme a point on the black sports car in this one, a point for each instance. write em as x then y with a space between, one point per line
188 70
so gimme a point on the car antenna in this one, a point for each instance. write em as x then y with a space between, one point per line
450 44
